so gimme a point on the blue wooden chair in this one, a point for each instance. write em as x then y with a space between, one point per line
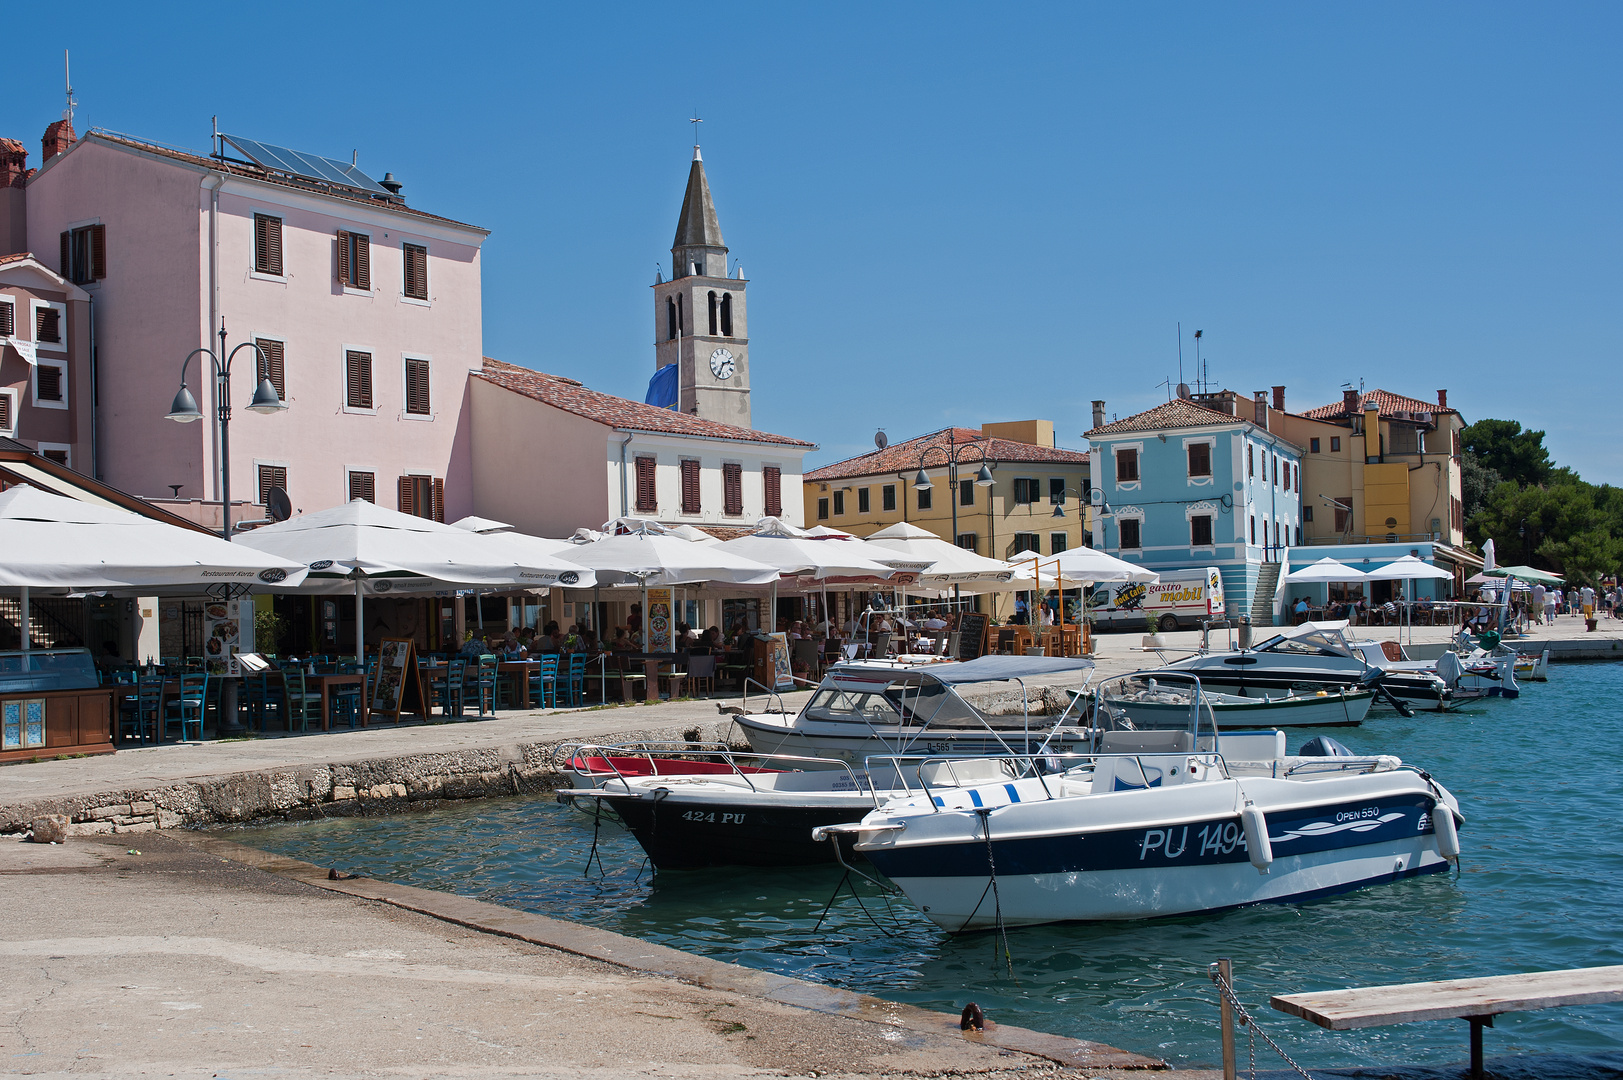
447 690
299 702
575 686
486 684
149 706
544 681
187 708
346 700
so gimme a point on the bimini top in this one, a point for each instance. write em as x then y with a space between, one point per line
994 667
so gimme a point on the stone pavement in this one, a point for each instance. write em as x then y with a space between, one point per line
178 961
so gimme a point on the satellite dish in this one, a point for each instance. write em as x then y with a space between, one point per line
880 439
1183 390
278 504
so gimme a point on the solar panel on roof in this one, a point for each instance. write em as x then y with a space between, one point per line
307 166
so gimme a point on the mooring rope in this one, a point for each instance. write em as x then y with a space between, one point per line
1253 1029
985 814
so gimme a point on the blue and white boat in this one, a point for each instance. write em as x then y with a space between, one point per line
1155 821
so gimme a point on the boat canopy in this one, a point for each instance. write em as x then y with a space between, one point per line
995 667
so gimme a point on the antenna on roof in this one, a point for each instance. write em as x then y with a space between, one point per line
67 81
1168 384
1200 368
1180 353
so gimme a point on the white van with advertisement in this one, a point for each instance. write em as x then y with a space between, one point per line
1182 599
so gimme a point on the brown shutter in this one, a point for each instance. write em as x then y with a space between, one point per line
98 252
439 500
270 366
407 506
363 262
690 486
48 382
647 501
732 484
48 325
416 259
363 485
417 399
343 256
8 318
5 412
358 379
268 244
772 480
67 255
271 476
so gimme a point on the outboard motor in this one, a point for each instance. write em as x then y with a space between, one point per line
1324 746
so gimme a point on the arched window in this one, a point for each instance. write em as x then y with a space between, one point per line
712 314
670 318
727 314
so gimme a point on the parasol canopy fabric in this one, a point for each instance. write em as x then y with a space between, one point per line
1326 570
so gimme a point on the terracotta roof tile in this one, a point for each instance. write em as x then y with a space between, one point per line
618 412
1176 413
1388 403
254 173
904 456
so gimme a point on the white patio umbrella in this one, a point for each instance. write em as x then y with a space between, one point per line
1408 568
1326 570
796 555
938 562
51 543
370 551
1082 565
481 525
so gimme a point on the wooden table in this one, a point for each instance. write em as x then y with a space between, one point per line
329 680
1476 1000
520 670
650 669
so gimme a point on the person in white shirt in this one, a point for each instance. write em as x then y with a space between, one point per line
1539 597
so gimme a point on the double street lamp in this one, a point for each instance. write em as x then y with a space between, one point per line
954 452
184 410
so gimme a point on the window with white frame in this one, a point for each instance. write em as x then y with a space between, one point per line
50 383
61 453
8 317
8 413
1129 530
51 325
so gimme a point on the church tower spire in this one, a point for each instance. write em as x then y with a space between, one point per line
699 320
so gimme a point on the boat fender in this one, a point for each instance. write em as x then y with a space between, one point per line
1257 845
1447 833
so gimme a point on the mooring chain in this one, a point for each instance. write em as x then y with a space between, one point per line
1253 1030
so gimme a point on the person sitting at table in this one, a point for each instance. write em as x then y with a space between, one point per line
622 641
935 622
797 631
509 647
710 640
474 647
1300 610
634 620
549 641
571 641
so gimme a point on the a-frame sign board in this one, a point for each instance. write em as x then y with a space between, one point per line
397 686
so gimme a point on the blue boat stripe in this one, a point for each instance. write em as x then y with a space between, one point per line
1014 796
939 801
975 797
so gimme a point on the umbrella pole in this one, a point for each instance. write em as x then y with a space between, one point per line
360 627
24 614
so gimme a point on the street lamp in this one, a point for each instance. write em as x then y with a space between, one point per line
184 409
954 452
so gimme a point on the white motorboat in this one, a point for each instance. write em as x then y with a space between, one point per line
987 706
1170 821
1153 698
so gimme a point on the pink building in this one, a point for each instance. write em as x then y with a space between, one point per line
44 361
367 312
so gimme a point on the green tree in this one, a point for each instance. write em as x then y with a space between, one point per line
1477 482
1503 447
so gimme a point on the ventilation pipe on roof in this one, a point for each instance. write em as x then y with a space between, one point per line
1442 399
1098 414
625 510
390 184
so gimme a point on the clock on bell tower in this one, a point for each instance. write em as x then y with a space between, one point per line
699 319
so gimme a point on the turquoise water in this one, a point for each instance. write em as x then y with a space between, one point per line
1541 887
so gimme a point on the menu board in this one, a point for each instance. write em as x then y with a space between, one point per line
398 685
782 677
972 627
228 628
661 634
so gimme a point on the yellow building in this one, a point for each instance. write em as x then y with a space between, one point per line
1379 467
1036 500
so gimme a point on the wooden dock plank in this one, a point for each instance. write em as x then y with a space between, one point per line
1373 1006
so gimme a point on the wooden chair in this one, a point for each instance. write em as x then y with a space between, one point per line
628 678
485 684
702 674
301 703
346 700
544 682
673 678
447 690
148 707
576 680
187 708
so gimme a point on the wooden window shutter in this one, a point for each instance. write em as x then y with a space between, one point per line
5 412
267 244
439 499
647 501
690 486
732 485
271 476
772 480
417 401
48 325
67 255
98 252
363 485
407 490
343 256
8 318
48 382
270 366
363 262
416 259
358 379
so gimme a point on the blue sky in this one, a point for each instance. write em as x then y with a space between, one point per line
953 214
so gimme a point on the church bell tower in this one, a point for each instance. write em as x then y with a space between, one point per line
699 315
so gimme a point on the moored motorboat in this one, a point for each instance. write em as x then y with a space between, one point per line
1168 821
1154 697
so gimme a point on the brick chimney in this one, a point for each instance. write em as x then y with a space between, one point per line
1442 399
13 163
1349 402
1279 399
58 137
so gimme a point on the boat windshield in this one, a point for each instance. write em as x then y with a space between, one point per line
1145 703
1312 643
926 702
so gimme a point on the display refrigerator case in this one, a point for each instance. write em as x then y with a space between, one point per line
52 704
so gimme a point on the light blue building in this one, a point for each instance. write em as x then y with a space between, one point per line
1187 485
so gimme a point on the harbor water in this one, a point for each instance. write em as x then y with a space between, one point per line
1540 886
